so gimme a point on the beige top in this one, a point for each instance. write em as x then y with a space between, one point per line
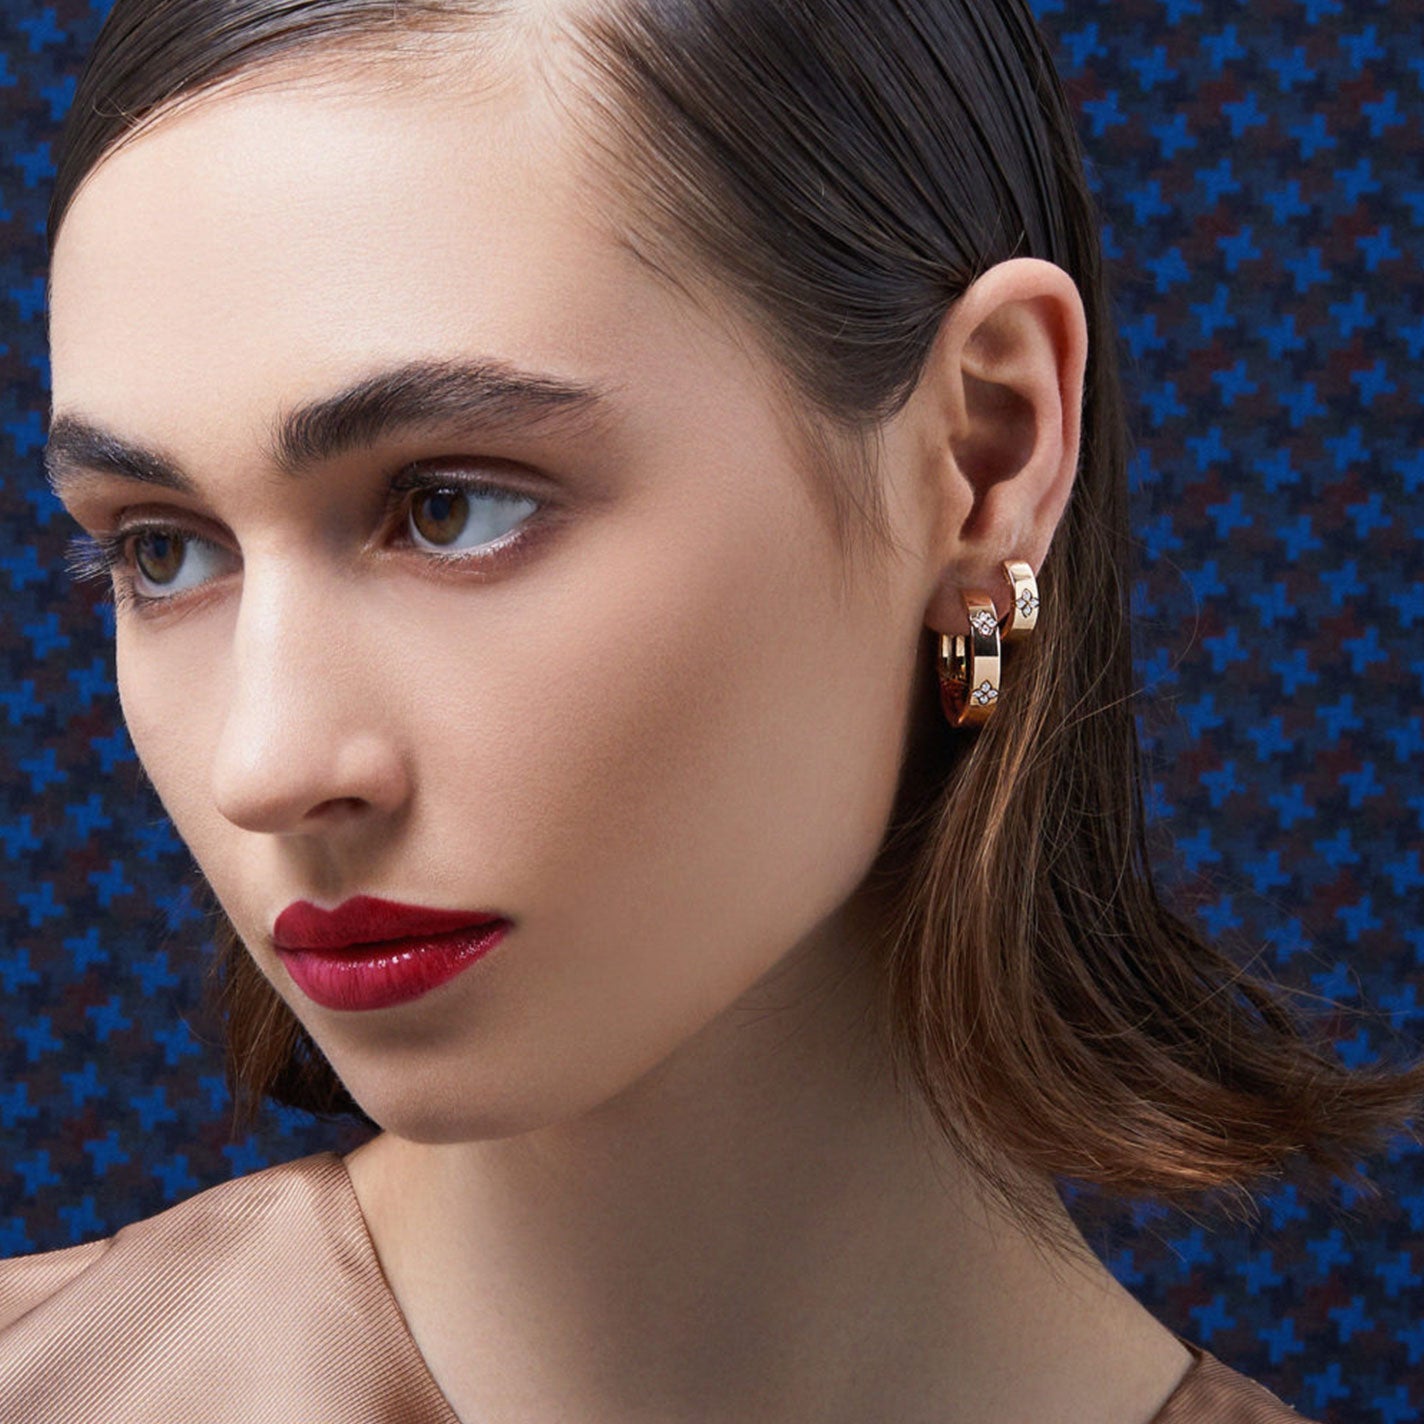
262 1301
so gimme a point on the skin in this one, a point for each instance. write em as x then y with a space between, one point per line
645 1162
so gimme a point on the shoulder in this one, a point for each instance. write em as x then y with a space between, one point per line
28 1281
168 1244
1214 1393
195 1305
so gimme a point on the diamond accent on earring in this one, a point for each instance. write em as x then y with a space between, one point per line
984 621
1028 601
985 693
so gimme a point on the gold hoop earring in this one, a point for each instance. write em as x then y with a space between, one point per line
969 664
1022 617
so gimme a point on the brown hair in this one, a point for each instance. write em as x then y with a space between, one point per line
842 171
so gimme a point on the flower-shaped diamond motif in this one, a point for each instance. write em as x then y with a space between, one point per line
984 622
985 693
1027 601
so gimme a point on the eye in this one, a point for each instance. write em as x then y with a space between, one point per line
450 518
167 562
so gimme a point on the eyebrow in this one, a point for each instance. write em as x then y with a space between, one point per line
489 395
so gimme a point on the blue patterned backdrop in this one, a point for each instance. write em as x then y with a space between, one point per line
1259 172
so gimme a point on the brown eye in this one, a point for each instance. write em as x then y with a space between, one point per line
445 517
162 563
440 515
158 555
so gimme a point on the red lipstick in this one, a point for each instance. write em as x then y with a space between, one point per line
369 953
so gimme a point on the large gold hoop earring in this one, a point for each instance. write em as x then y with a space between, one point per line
969 665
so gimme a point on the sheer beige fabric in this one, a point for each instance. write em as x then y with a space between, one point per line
261 1301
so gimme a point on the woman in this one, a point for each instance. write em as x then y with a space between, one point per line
616 517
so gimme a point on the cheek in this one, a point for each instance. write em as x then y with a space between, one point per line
175 685
168 694
701 761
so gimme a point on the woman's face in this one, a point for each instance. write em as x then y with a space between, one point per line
653 726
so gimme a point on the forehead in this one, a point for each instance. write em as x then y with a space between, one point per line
288 233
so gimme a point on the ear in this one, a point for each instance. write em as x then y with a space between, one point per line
1003 392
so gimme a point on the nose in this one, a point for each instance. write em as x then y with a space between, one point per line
304 744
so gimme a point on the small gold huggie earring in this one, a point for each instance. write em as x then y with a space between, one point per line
1022 617
969 664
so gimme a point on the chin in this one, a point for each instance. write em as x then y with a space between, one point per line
422 1104
436 1111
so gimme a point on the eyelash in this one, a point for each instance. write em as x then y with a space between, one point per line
105 557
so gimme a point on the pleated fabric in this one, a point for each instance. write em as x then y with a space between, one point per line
262 1301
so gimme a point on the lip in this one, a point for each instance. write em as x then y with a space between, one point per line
371 954
366 920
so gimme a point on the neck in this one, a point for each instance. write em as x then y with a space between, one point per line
761 1227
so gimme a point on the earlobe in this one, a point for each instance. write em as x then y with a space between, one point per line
1010 366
